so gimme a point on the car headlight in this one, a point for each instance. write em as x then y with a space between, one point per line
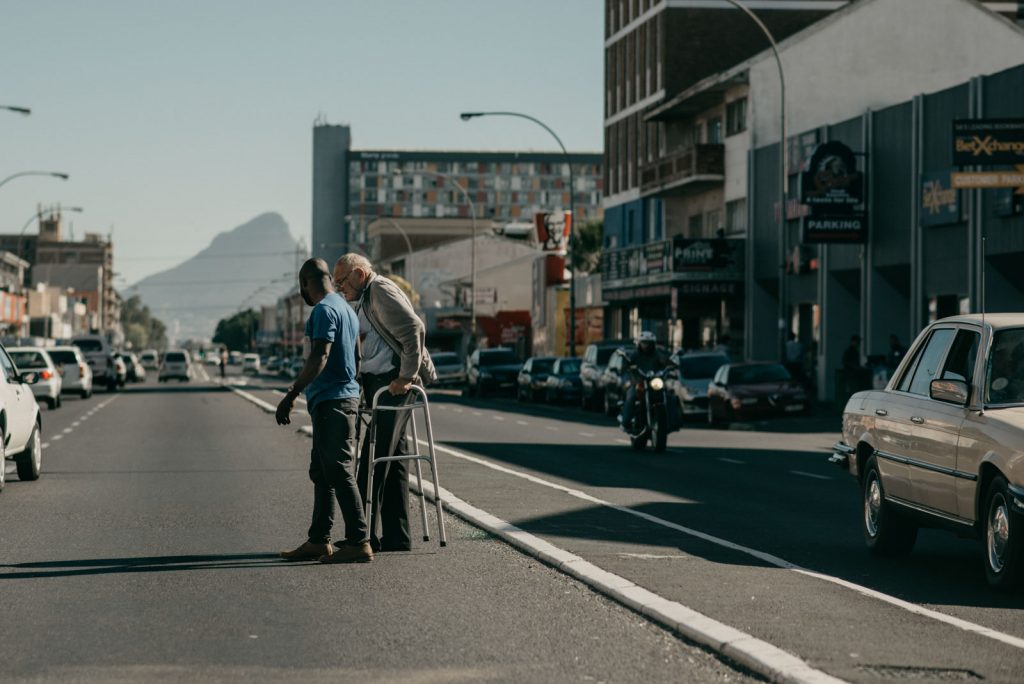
657 384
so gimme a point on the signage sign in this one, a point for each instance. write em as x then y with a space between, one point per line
991 179
988 142
833 188
652 259
940 203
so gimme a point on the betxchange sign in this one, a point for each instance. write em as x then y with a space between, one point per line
988 142
939 200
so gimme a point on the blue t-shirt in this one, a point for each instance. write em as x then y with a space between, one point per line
334 320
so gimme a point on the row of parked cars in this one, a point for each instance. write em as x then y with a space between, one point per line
708 384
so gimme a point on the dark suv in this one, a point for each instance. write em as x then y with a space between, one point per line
595 360
491 370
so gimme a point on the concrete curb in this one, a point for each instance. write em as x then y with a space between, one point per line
758 656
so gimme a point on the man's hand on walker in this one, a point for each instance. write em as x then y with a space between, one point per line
399 386
284 410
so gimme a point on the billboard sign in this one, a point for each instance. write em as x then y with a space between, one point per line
833 188
988 142
940 201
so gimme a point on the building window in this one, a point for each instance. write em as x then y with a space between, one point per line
736 116
696 227
714 222
736 216
714 131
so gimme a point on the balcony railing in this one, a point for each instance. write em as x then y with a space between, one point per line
693 164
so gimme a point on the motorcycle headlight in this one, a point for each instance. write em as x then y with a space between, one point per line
657 384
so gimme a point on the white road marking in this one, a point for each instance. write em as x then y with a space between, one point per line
732 460
56 437
67 431
477 413
498 417
812 475
76 423
650 556
551 427
521 422
587 434
457 409
45 444
964 625
622 441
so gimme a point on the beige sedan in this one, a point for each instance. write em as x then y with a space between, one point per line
943 444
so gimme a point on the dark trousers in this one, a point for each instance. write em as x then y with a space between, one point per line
331 469
390 480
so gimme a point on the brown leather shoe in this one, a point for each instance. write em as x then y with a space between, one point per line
308 551
360 553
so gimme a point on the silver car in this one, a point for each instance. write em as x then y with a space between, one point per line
37 360
76 376
450 369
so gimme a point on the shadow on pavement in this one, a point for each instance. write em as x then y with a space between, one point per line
183 388
108 566
814 524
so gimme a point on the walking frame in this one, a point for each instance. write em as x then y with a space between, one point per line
415 400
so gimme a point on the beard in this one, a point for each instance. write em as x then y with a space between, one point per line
306 298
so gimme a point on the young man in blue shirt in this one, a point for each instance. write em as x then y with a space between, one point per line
332 397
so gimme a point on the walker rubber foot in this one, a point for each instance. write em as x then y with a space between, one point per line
444 543
426 537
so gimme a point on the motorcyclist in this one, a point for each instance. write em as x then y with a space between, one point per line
645 358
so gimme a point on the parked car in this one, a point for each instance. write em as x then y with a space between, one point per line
942 444
295 366
612 383
753 390
150 359
36 359
274 364
100 357
136 371
177 365
251 363
563 385
595 360
120 369
450 369
21 440
533 376
76 378
212 358
491 370
235 358
696 369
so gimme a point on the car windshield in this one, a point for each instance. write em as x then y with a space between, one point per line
753 375
175 357
1005 379
701 367
64 356
89 345
542 365
28 359
445 359
605 353
569 367
501 357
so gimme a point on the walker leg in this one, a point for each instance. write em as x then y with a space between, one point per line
433 472
419 477
368 502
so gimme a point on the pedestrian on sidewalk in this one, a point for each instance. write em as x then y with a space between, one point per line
223 362
332 398
394 355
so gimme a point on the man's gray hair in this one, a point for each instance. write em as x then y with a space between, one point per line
352 261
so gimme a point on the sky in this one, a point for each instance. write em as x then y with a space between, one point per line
179 120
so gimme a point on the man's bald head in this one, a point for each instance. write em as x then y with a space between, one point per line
315 281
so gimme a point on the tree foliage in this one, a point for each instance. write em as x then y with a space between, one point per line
406 287
141 329
586 256
238 332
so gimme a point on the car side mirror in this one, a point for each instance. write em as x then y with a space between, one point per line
28 378
951 391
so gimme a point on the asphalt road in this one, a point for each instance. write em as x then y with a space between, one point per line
147 552
749 526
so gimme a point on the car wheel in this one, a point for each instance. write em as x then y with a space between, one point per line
30 461
3 465
659 431
1003 556
60 402
712 418
886 532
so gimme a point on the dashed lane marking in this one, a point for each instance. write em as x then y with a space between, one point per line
56 437
732 460
811 475
498 417
67 431
587 434
521 422
964 625
45 444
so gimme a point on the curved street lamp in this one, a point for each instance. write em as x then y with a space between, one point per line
55 174
39 215
466 116
25 111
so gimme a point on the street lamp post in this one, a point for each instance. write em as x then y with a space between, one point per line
25 111
55 174
472 216
38 216
783 177
466 116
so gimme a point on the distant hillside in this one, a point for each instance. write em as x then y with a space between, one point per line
253 264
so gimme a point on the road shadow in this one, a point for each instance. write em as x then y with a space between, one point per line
821 419
184 388
814 524
146 564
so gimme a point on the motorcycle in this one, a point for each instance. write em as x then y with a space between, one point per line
654 416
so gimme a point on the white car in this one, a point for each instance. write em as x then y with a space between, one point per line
150 359
176 365
251 363
37 359
76 378
100 357
21 440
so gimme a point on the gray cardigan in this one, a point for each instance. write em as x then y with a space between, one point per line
390 313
